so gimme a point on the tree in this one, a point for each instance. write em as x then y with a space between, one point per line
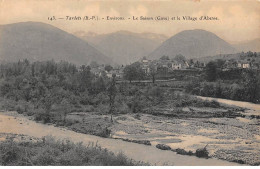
211 71
94 64
165 57
180 58
252 86
134 72
47 103
108 68
220 63
65 109
99 85
218 92
112 94
129 73
191 62
85 77
153 72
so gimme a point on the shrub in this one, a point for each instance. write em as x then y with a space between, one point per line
39 114
47 151
183 152
214 104
89 108
104 132
102 108
202 153
145 142
122 108
7 104
137 116
163 147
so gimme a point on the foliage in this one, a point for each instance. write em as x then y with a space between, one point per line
47 151
165 57
163 147
247 89
180 58
108 68
211 71
202 153
134 72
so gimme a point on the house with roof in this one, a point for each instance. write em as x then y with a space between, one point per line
97 71
145 64
243 64
117 71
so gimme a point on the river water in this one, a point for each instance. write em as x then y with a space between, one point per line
17 124
254 109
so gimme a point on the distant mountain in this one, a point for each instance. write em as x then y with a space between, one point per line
90 37
253 45
124 47
193 44
38 41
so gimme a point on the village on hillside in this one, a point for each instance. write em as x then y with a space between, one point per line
166 65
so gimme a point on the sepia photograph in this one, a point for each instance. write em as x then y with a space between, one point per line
130 83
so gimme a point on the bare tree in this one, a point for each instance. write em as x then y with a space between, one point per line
153 72
112 94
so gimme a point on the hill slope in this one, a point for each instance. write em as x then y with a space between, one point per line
124 47
253 46
193 44
39 41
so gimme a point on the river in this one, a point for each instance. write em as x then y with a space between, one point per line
254 109
11 122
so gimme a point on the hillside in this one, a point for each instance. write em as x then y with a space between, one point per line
39 41
193 44
124 47
248 57
253 45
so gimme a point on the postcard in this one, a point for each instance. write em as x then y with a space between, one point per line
129 83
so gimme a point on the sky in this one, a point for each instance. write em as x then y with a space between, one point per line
239 20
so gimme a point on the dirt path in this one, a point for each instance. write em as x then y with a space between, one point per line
12 123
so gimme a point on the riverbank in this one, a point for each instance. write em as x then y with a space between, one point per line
22 150
11 122
229 132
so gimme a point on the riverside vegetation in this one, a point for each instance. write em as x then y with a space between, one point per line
48 151
61 94
50 91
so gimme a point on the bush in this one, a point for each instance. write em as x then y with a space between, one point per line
39 114
104 132
122 108
89 108
102 108
47 151
163 147
145 142
137 116
202 153
183 152
7 104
